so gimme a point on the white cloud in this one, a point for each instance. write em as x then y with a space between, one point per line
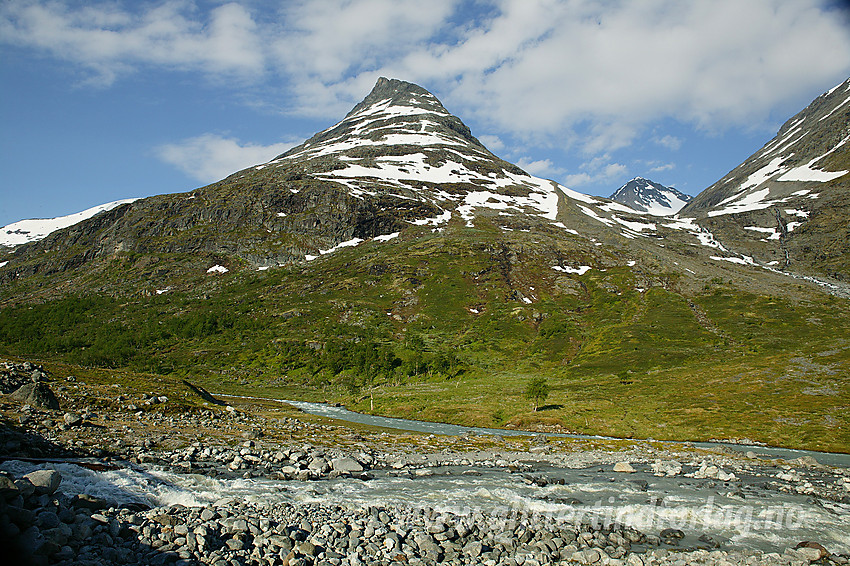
712 63
597 74
613 170
540 167
560 73
577 180
597 170
491 142
332 51
668 141
110 41
657 168
211 157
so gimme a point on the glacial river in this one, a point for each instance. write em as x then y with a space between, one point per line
340 413
740 514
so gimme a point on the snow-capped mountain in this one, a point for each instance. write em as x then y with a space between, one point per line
401 140
398 164
810 152
651 197
787 204
399 158
25 231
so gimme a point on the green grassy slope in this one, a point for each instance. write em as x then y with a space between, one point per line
451 327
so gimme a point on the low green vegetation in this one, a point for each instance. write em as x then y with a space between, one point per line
456 328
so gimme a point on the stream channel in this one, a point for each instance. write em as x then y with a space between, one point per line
747 513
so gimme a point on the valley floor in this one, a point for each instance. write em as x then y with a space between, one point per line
147 479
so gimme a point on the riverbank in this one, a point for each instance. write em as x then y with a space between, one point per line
325 470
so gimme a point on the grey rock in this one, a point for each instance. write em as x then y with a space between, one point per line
8 487
36 394
72 419
86 501
346 465
473 549
307 548
672 534
47 520
587 556
624 467
318 465
24 487
45 481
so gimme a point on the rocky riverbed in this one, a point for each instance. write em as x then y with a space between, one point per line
52 518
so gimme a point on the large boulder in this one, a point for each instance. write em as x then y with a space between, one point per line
72 419
45 481
346 465
36 394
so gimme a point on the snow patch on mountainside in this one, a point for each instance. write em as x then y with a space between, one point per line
25 231
580 270
808 173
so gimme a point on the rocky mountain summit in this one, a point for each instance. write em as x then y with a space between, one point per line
651 197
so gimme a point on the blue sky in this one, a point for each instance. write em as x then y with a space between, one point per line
101 101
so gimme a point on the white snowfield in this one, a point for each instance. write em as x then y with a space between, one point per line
25 231
759 190
673 205
580 270
438 156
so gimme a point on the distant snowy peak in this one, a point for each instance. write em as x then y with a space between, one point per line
809 152
648 196
25 231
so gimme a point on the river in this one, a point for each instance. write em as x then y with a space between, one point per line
748 513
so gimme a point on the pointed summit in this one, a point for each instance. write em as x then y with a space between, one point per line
398 93
395 113
651 197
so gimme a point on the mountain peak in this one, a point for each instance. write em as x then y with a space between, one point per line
396 113
648 196
395 92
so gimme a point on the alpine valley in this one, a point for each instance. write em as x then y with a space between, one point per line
393 264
